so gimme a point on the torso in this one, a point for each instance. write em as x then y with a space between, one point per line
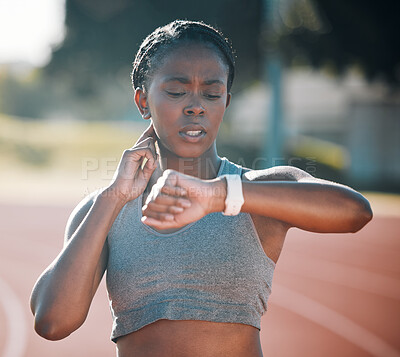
166 338
203 338
272 233
191 338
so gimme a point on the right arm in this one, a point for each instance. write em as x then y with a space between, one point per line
62 295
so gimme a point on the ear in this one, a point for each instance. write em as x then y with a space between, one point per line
142 103
228 100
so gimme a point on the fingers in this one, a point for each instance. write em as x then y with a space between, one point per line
160 224
174 191
162 220
175 200
147 140
165 204
136 166
164 216
132 158
142 154
165 201
167 188
148 144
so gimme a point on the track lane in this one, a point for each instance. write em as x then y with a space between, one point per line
321 283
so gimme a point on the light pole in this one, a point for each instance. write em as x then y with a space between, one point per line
273 140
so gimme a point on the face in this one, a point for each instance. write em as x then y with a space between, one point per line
186 100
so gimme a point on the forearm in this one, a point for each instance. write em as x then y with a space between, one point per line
65 290
311 206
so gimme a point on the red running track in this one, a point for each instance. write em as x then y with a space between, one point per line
332 295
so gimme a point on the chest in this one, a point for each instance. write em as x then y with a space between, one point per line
217 254
211 243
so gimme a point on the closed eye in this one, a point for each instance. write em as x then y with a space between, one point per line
175 94
212 96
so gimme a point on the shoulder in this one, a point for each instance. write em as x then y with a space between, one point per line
79 213
276 173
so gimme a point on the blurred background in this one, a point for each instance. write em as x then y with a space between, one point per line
317 87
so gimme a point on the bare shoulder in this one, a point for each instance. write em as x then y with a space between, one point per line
276 173
78 214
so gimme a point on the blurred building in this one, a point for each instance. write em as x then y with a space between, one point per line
347 124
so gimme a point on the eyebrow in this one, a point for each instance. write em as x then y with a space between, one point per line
185 80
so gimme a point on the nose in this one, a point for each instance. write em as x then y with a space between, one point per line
194 108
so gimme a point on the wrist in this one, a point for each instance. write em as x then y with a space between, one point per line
234 195
113 196
218 194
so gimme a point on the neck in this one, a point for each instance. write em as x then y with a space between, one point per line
205 166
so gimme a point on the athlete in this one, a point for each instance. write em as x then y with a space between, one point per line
189 239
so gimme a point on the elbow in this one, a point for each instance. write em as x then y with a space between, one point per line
54 321
50 331
54 330
362 215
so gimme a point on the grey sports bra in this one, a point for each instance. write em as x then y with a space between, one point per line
214 269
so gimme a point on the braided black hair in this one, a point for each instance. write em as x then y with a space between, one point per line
155 45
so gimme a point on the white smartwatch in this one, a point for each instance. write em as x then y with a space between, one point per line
234 197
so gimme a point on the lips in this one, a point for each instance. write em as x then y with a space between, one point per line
192 132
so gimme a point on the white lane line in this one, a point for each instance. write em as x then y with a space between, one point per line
342 274
16 324
332 321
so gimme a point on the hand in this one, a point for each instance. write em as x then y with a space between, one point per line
177 200
135 167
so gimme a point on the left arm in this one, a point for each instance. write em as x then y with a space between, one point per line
297 198
284 193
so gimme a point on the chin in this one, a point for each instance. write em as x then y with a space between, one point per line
189 154
187 151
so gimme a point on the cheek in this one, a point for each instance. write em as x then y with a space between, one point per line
217 114
164 111
164 118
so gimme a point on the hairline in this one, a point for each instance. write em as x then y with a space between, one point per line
175 45
185 80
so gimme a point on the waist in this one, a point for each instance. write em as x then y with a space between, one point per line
185 338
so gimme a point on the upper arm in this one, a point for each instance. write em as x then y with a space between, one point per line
277 173
74 221
289 173
77 216
355 200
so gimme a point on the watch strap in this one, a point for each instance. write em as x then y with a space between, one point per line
234 197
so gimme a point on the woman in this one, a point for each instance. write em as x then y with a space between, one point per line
189 239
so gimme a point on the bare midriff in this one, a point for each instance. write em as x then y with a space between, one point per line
189 338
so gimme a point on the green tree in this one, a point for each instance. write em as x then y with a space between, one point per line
103 36
364 33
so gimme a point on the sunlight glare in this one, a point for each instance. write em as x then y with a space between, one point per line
29 29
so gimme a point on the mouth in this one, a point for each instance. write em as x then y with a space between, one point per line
192 133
